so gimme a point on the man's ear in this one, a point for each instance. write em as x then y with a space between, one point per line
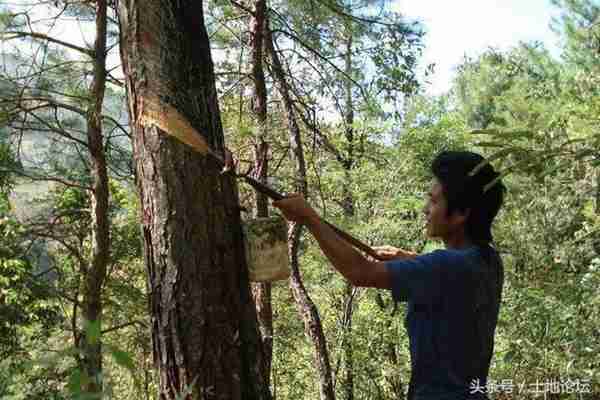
460 217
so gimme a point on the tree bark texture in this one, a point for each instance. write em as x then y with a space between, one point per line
306 307
206 343
597 243
348 205
261 291
347 346
598 192
100 246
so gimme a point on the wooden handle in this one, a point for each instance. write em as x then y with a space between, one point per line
274 195
354 241
264 189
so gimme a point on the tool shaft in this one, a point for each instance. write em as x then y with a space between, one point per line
274 195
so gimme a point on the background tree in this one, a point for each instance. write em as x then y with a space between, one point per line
32 103
60 131
261 291
205 338
302 53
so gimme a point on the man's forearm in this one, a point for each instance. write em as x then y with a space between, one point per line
345 258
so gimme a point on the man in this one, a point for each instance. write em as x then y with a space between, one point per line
454 294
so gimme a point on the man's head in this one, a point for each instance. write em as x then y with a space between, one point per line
459 203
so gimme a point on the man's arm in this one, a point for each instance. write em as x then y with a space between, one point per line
358 269
389 253
354 266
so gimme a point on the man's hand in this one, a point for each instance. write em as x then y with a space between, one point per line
355 267
296 208
387 253
230 163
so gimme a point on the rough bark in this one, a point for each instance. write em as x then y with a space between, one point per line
597 192
597 243
96 273
348 206
260 89
204 331
261 292
347 346
306 306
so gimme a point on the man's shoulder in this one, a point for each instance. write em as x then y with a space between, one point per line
451 256
471 260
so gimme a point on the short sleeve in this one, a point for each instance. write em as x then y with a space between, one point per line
417 279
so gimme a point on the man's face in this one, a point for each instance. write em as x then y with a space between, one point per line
439 224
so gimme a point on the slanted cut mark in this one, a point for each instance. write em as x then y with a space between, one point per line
169 120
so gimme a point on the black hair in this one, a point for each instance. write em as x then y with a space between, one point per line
464 187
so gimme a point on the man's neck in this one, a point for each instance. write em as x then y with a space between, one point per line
458 242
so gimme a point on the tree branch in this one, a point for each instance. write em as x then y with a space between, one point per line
46 178
54 129
115 81
341 12
41 36
117 124
125 325
317 54
242 7
322 139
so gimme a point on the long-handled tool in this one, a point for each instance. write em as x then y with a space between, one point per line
170 121
274 195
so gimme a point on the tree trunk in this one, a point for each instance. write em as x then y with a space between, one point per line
261 292
347 347
307 308
596 244
348 206
96 273
598 192
205 338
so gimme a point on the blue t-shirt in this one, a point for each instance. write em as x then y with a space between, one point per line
453 302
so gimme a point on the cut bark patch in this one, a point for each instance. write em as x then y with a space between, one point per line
170 121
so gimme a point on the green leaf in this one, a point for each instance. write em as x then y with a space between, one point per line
93 332
518 134
490 144
501 153
512 134
509 356
75 382
484 132
122 358
54 359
